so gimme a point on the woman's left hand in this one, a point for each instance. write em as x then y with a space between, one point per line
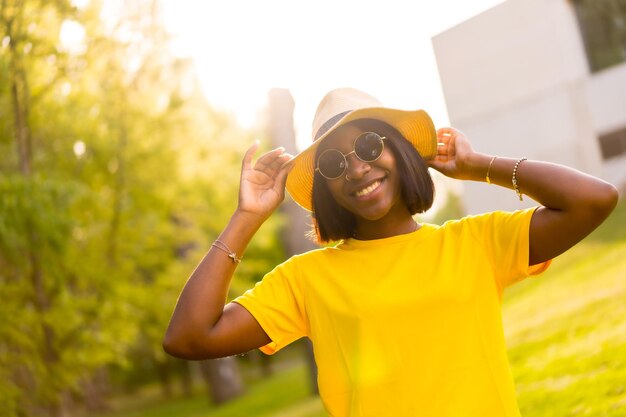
573 203
454 154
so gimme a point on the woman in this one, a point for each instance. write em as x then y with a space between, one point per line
404 317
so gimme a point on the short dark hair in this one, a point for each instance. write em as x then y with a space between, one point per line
332 222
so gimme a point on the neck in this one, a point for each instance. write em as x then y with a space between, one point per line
387 226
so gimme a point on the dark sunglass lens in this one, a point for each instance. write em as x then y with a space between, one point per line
368 146
331 163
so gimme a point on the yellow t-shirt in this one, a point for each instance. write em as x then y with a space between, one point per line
408 325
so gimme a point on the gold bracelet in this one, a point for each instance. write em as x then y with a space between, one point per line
224 247
489 170
514 179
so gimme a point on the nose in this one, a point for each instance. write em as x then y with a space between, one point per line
355 167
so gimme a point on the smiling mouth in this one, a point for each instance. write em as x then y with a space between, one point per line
369 189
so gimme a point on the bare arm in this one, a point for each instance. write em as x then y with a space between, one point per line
574 203
201 326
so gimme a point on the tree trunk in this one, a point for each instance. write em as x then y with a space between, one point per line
223 379
186 379
20 95
119 187
19 102
164 372
95 391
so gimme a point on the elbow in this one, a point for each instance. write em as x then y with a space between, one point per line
597 204
173 346
177 345
189 348
605 200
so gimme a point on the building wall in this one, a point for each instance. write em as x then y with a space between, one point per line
516 81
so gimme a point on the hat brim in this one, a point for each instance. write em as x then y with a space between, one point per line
415 125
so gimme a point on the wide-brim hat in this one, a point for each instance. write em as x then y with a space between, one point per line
342 106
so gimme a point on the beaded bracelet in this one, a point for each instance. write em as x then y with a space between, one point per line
489 170
223 247
514 179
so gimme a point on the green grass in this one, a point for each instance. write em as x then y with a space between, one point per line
566 329
285 394
268 397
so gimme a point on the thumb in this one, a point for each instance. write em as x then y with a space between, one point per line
435 163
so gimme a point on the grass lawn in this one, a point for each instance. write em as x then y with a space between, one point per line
565 330
285 394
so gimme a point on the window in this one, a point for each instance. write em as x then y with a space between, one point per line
613 144
603 27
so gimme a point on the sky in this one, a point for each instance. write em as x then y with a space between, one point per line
243 48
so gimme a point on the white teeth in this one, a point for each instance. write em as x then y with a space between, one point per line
367 190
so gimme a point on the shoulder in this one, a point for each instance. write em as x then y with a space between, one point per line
480 224
497 216
306 261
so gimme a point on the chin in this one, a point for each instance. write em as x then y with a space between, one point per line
372 214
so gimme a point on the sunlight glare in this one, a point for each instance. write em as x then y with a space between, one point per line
79 148
244 48
72 37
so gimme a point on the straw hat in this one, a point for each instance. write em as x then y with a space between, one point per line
344 105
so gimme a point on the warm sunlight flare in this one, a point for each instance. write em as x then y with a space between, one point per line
244 48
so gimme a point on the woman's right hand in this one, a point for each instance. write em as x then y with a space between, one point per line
201 326
262 186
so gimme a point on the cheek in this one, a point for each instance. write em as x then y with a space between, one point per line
388 159
388 162
335 187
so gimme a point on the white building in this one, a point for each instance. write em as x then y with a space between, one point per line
543 79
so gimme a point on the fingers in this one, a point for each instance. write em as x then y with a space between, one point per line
289 163
264 160
444 143
247 157
280 160
285 169
447 139
272 162
443 138
448 131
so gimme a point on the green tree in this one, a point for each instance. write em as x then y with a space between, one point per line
116 175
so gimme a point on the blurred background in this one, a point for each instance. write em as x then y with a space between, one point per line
122 126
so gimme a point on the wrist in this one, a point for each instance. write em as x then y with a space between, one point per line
477 166
248 218
241 228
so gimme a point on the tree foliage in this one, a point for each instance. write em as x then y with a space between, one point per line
115 177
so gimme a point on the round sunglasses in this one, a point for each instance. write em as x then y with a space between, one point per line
368 147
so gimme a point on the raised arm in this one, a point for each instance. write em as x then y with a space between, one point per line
574 203
201 326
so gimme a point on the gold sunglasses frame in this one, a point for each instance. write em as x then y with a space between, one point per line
345 156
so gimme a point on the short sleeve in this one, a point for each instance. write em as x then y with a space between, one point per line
505 237
276 302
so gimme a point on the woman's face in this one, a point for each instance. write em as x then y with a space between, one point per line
369 190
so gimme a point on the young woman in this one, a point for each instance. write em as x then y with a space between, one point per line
404 317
